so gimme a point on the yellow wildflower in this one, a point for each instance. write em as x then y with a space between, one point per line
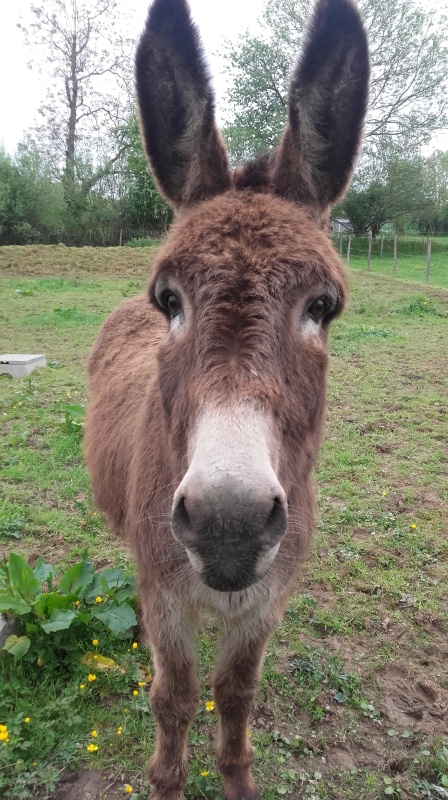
3 728
91 677
134 645
27 720
95 657
135 693
82 686
94 642
77 602
128 789
210 705
98 599
413 525
4 736
94 734
92 748
119 731
142 683
384 494
204 774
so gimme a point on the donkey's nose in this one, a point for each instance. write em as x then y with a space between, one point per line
229 527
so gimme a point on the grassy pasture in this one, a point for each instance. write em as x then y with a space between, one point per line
353 702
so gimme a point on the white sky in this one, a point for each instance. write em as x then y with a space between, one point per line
22 90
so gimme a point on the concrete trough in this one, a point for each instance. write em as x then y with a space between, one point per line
19 365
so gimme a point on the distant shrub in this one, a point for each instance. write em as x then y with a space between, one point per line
143 241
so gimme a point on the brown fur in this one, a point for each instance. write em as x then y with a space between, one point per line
246 260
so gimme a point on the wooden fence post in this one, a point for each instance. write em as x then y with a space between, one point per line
395 255
428 261
340 244
121 237
369 254
382 244
349 244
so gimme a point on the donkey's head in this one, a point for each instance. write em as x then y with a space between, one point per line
248 283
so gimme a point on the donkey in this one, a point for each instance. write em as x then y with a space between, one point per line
207 393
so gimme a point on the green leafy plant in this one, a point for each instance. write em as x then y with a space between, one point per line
11 523
64 610
315 672
73 420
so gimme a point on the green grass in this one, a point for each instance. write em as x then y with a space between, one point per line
367 628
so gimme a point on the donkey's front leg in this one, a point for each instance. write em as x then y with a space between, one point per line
174 698
235 684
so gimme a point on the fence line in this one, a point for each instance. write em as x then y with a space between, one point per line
410 257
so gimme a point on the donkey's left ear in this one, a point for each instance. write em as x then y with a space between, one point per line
326 109
176 105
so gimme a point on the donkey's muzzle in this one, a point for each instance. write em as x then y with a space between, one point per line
231 530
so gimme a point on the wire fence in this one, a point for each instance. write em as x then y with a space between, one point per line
410 257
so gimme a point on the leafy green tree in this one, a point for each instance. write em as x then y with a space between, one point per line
31 203
408 98
396 198
144 209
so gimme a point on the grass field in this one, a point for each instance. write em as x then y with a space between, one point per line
353 702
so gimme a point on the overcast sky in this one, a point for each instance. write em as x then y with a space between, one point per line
22 90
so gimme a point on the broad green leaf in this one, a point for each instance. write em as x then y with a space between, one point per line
126 593
17 646
113 577
50 601
118 619
59 620
77 578
389 790
15 605
22 577
77 412
31 627
43 571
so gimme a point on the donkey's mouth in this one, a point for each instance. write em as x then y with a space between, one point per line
233 571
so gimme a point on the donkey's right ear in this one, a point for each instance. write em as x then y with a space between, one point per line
176 105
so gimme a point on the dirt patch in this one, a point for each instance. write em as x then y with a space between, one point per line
89 785
418 705
341 757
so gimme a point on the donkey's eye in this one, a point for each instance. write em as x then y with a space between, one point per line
320 308
168 301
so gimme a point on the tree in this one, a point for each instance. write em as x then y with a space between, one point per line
409 57
142 206
399 196
31 203
88 62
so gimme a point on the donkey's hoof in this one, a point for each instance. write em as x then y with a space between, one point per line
166 794
242 790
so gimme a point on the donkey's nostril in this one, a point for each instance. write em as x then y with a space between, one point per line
181 522
276 521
